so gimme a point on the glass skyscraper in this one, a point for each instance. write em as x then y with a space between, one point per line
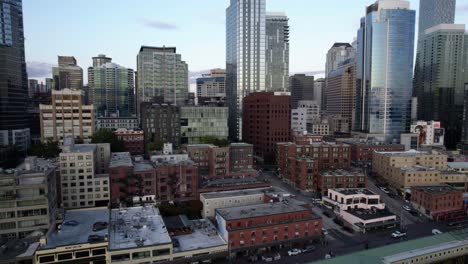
111 88
435 12
441 76
277 52
161 74
67 74
13 77
384 69
245 57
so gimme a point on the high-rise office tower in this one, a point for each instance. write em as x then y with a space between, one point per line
341 91
49 83
441 75
337 54
13 77
277 52
384 69
33 87
320 93
435 12
161 74
245 57
211 88
67 74
302 88
111 88
465 115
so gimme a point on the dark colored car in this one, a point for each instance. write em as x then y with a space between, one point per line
348 229
327 214
338 221
98 226
308 249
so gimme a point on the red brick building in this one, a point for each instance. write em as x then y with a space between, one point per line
266 121
300 165
240 157
303 139
131 180
269 224
134 140
341 179
212 161
177 181
362 152
440 203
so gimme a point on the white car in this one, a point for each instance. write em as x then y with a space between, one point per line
384 190
436 232
406 207
324 231
398 234
294 252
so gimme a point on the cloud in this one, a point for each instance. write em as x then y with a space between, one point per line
463 7
310 73
38 69
158 24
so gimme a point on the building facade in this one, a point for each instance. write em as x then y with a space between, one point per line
430 133
362 151
440 86
67 74
300 164
341 179
28 199
83 174
197 122
13 79
440 203
176 181
161 74
337 54
302 88
67 116
266 121
134 140
211 87
245 57
111 88
161 122
259 226
211 160
114 123
384 72
277 52
341 91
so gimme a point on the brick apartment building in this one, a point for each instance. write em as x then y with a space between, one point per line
134 140
269 224
300 165
131 180
177 181
212 161
266 121
440 203
341 179
240 157
362 152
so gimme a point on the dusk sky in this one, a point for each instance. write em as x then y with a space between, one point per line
117 28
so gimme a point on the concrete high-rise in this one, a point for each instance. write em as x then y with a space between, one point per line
67 74
302 88
277 52
161 74
13 77
337 54
440 78
433 13
111 88
341 91
211 87
245 57
384 69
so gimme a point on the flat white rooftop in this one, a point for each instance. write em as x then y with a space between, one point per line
204 235
137 227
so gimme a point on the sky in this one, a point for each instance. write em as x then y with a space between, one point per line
117 28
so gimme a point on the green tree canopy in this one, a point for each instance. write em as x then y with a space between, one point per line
105 135
47 150
215 141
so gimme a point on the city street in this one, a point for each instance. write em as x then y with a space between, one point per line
340 242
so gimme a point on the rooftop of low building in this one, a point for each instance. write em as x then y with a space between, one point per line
120 159
204 235
272 191
437 190
353 191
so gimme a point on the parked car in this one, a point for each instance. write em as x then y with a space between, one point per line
324 231
309 248
414 213
327 214
338 221
384 190
406 207
294 252
436 232
398 234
